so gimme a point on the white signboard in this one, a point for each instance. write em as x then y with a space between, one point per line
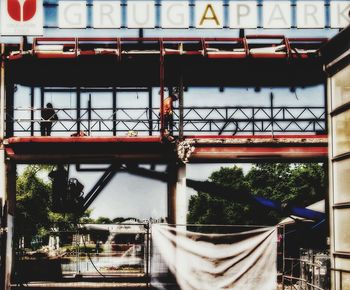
106 14
340 14
23 17
310 14
276 14
243 14
72 14
175 14
209 14
141 14
26 17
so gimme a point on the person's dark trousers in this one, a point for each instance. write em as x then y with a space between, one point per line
45 128
169 123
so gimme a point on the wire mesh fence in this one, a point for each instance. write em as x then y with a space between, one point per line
91 250
310 272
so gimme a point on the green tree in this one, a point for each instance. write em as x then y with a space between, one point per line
104 220
208 209
34 216
300 184
32 205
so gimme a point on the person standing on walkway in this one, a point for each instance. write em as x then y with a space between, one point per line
168 111
48 116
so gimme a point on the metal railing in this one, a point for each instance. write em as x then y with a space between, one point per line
197 120
97 250
306 273
244 47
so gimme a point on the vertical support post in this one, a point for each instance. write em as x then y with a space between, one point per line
271 108
9 92
2 94
78 109
8 189
32 98
177 201
3 248
114 104
325 92
150 112
89 114
253 121
148 257
181 108
161 78
42 105
171 188
42 97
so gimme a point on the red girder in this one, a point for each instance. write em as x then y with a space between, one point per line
84 139
151 149
207 47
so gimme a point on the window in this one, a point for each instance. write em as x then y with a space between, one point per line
342 229
341 133
341 88
341 176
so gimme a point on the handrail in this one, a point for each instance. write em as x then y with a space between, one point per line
213 120
202 42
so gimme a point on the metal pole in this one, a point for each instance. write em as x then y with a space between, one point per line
272 118
8 183
253 121
9 93
150 112
78 109
89 114
114 101
283 254
32 92
150 256
181 108
42 97
313 268
3 195
2 94
147 255
325 92
161 78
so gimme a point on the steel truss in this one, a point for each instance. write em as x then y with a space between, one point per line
213 120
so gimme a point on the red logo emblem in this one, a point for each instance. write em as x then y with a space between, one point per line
21 10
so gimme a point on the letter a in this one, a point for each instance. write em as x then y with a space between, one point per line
205 17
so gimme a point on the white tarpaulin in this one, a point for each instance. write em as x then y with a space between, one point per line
241 261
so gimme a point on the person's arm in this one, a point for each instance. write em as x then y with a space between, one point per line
54 116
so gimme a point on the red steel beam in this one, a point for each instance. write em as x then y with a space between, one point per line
231 154
257 148
85 139
147 148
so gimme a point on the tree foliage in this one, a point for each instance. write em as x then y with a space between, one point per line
34 215
32 204
299 184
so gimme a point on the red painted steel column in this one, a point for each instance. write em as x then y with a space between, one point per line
161 79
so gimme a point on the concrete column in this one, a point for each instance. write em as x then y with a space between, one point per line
11 207
3 248
8 193
177 197
7 189
2 219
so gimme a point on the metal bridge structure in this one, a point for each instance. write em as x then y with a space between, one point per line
135 135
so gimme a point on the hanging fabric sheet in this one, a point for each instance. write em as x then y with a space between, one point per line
240 261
